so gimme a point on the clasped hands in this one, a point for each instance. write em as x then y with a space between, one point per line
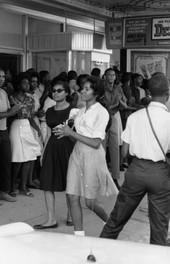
62 130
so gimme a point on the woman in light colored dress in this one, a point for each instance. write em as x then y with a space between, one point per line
88 174
25 148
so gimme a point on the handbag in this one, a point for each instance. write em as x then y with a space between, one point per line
150 122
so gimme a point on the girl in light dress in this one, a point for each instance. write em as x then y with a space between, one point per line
88 174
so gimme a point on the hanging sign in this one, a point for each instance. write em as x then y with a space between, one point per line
114 33
161 28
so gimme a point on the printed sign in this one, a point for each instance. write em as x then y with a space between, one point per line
161 28
114 28
136 30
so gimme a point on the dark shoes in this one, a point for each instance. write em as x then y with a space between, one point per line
45 227
125 165
121 168
69 223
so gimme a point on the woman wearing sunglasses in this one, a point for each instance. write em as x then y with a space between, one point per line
56 153
88 174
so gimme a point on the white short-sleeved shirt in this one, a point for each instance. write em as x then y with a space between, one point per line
139 136
4 106
92 123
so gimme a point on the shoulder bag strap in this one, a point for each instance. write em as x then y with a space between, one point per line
148 115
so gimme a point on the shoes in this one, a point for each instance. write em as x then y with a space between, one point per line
14 193
45 227
125 165
6 197
121 168
26 193
69 223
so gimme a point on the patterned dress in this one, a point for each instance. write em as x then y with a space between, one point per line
24 146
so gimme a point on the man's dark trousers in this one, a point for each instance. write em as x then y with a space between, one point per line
5 161
143 177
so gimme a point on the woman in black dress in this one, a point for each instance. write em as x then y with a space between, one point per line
56 153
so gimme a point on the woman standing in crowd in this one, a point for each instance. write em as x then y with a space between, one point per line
34 91
56 153
88 174
25 148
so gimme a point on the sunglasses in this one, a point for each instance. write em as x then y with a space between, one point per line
58 91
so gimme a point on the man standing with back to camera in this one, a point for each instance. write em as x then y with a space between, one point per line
148 173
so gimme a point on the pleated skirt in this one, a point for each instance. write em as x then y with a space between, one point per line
88 174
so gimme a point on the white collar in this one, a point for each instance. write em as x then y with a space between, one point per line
158 104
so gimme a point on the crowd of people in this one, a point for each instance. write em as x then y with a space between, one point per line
76 133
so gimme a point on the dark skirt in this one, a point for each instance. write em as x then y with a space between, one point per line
55 163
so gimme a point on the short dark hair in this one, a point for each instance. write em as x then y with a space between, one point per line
97 85
57 81
158 84
34 74
109 69
96 72
43 74
135 76
20 77
72 75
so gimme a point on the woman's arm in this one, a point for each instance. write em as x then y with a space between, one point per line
123 104
45 143
35 126
125 150
66 131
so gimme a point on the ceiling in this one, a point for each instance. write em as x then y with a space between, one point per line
132 7
100 9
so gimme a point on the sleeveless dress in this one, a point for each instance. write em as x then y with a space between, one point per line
56 154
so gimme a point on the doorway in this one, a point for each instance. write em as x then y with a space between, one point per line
11 62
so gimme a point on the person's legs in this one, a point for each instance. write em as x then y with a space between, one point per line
123 210
159 204
5 167
76 211
113 145
24 173
15 169
50 204
131 193
30 182
69 221
97 208
5 162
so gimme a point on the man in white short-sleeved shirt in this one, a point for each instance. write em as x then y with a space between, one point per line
148 172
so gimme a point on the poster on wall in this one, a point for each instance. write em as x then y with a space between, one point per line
137 32
114 33
148 64
161 28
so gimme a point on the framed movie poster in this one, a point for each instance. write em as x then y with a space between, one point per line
148 62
